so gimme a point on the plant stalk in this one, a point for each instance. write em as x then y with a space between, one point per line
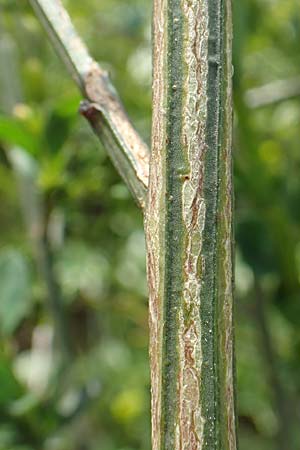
188 225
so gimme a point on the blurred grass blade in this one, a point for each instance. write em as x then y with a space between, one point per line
105 111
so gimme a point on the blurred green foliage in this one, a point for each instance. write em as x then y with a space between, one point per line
70 232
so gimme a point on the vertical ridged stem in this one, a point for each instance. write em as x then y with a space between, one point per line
189 228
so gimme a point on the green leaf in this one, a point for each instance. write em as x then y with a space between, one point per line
82 269
15 299
57 131
10 388
15 133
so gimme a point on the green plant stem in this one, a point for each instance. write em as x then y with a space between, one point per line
189 228
104 110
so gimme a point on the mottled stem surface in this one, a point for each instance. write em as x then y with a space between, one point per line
104 111
189 228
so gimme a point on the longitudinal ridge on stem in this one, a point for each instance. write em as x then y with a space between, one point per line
189 228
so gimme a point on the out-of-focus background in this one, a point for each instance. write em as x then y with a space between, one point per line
73 299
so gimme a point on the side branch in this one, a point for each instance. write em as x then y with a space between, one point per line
104 109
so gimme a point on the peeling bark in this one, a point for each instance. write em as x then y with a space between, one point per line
188 225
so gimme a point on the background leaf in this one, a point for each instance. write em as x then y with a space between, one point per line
15 301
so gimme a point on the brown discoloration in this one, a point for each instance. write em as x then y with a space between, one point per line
190 420
89 110
100 92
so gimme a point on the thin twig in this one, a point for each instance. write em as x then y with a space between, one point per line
104 109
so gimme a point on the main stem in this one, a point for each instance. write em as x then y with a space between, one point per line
189 228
